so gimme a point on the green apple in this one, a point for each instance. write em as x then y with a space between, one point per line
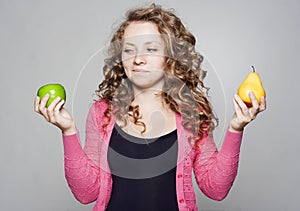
54 90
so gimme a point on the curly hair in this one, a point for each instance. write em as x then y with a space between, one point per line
184 91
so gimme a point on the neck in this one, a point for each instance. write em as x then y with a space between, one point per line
149 97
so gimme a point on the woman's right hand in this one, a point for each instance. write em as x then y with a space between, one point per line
56 114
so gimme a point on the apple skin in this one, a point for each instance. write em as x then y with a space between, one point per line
54 90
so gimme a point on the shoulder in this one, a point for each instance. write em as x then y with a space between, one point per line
97 111
100 106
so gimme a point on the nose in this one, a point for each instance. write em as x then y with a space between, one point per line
140 59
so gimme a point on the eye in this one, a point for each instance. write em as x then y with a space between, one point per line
152 50
128 51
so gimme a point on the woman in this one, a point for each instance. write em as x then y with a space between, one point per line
152 124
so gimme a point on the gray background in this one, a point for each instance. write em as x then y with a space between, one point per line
57 41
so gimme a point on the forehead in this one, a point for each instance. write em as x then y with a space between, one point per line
140 28
142 32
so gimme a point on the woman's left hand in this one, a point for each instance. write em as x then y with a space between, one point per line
244 115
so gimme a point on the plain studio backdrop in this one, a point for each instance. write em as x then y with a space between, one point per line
61 41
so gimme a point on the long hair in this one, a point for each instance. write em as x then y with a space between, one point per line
184 91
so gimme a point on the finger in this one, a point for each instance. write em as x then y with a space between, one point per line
253 113
53 104
59 106
36 104
237 107
51 111
263 104
253 99
242 105
55 115
44 100
42 107
255 106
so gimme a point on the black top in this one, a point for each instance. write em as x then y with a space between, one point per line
143 172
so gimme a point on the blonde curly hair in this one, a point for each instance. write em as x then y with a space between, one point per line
184 91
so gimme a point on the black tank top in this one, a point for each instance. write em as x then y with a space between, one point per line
143 172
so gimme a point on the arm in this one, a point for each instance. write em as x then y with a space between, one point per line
81 169
215 171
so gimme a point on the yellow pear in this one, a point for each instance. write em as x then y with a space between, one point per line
251 83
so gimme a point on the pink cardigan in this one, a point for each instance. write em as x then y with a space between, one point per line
89 178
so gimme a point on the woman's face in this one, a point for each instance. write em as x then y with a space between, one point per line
143 55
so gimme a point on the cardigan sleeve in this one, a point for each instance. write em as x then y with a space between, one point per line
81 170
215 171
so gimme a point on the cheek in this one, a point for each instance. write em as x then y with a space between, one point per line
126 63
159 63
127 67
126 59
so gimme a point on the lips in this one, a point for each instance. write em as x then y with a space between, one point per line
139 71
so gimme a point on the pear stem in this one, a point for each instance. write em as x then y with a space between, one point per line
253 69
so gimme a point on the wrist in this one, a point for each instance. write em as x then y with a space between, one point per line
69 131
235 130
